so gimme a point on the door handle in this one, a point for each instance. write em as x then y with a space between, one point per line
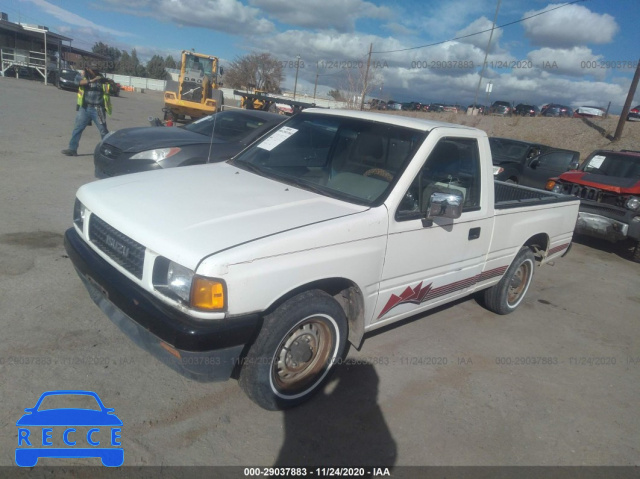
474 233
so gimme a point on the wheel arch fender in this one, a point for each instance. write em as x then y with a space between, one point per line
346 293
539 244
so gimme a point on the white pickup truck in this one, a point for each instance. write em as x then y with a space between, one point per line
264 268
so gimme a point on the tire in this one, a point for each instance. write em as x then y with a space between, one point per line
295 352
506 296
635 256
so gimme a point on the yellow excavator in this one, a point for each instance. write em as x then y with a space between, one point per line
196 93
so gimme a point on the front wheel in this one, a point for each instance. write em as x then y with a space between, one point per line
506 296
294 353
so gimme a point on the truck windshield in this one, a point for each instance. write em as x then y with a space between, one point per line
347 158
614 164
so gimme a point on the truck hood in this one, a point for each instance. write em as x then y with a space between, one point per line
623 186
186 214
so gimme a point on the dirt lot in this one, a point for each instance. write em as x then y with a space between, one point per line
475 394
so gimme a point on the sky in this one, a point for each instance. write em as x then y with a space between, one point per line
584 53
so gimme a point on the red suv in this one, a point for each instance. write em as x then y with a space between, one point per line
608 185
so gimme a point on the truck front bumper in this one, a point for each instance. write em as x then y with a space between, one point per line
204 350
601 227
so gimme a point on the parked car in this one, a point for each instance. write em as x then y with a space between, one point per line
481 108
436 107
526 110
132 150
502 108
450 108
553 109
67 79
336 223
608 185
634 114
529 164
589 112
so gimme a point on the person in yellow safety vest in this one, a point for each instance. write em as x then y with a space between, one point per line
93 104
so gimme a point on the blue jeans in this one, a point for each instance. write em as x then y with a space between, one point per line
83 117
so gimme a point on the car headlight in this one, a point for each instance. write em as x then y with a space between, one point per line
195 291
557 188
79 213
633 203
497 170
158 154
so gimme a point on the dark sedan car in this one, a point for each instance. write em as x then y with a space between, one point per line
526 110
502 108
529 164
213 138
554 109
67 79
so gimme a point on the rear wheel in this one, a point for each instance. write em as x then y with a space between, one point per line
296 349
506 296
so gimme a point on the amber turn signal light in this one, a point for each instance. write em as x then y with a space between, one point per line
208 294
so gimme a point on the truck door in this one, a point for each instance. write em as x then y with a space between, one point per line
427 264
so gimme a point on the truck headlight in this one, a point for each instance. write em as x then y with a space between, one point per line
179 280
79 213
633 203
158 154
195 291
497 170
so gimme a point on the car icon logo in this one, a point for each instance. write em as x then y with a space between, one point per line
76 432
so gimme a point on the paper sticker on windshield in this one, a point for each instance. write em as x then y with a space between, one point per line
203 119
596 161
277 138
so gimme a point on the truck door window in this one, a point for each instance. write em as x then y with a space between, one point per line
452 167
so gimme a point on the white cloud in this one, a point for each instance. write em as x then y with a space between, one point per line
574 61
74 19
340 15
481 40
569 26
229 16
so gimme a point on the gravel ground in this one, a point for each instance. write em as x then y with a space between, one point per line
471 396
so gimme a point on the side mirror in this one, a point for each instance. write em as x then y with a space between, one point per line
445 205
573 166
221 71
534 163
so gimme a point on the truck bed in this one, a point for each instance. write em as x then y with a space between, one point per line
509 195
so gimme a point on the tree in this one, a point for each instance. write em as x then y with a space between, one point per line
261 71
156 68
336 95
112 53
125 67
138 68
169 62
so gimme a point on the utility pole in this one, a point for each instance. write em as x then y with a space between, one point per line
486 54
366 77
295 85
627 104
316 85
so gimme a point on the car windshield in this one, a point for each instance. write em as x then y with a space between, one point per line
68 74
346 158
67 401
509 149
614 164
226 126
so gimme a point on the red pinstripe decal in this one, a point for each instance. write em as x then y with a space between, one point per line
420 294
557 249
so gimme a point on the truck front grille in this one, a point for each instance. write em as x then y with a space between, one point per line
582 192
120 248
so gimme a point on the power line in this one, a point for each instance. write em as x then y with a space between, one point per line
481 32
